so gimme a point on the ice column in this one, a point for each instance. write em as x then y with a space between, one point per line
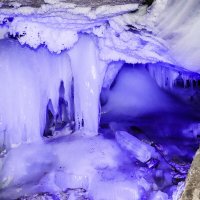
88 73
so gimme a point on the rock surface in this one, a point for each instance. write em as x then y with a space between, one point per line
92 3
192 188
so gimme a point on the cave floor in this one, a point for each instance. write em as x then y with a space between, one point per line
78 167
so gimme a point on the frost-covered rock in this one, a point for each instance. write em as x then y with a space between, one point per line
158 196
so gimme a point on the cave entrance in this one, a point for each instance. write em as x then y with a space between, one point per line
147 108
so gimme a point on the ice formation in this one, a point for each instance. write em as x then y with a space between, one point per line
88 73
132 144
28 80
120 73
38 75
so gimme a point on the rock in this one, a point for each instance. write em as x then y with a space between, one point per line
192 186
138 149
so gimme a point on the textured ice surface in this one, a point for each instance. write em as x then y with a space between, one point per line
136 94
137 33
179 26
88 74
97 165
33 77
61 22
28 80
176 22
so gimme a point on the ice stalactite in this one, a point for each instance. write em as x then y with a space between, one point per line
168 76
163 74
36 90
28 80
176 80
88 73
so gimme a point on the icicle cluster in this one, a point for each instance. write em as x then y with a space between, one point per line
30 82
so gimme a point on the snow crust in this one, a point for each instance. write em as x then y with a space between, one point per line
151 34
98 165
61 23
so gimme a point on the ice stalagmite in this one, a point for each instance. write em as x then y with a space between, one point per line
88 73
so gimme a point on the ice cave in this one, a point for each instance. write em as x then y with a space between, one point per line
99 100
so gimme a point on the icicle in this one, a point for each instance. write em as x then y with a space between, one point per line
88 73
111 73
168 76
28 79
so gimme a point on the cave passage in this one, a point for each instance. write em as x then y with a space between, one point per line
161 110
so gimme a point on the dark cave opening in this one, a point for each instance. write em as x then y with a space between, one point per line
159 117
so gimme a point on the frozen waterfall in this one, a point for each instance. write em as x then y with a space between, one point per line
30 78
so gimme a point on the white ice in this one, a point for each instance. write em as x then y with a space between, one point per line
179 26
138 149
88 73
28 80
95 164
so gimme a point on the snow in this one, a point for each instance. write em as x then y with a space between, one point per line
61 22
157 33
38 75
37 35
90 163
159 196
96 165
132 144
85 48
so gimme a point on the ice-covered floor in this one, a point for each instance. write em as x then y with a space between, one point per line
96 165
110 166
147 135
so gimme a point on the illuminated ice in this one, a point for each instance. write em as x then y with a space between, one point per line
88 74
28 80
65 66
138 149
